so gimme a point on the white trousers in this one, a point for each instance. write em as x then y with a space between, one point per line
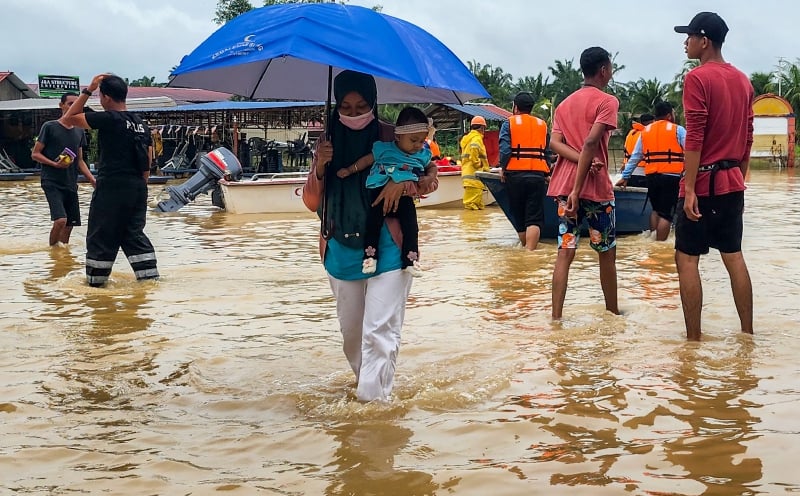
371 313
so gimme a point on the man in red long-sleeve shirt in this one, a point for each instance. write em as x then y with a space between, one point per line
717 101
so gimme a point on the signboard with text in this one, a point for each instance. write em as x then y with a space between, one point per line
54 86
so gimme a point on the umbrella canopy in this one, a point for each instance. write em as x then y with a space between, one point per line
287 51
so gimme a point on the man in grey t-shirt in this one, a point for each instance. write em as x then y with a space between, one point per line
60 171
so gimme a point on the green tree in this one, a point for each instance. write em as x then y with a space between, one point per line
566 79
643 94
614 87
788 84
496 81
761 82
677 82
539 88
228 9
144 81
675 94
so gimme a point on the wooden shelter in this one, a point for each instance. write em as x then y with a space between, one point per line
288 128
452 122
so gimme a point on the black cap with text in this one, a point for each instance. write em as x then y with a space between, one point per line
707 24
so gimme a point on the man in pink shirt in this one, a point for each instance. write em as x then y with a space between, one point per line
717 101
580 182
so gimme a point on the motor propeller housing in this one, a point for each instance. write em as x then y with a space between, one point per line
214 165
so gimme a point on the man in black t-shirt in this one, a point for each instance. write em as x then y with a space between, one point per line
118 212
60 171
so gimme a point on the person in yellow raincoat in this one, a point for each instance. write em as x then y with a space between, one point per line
473 159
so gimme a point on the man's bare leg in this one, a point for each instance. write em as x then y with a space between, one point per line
560 278
56 232
691 290
65 233
742 288
532 234
608 279
663 227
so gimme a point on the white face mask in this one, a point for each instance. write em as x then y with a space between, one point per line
358 122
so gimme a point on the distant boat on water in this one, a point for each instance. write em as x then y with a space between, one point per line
632 208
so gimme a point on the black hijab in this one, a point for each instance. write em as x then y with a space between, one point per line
346 204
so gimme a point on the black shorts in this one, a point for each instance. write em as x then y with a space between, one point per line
526 192
637 181
662 189
720 225
63 204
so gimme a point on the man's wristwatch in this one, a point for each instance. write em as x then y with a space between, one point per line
86 92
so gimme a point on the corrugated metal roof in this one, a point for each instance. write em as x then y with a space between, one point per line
178 94
451 116
488 111
228 105
193 95
158 103
18 84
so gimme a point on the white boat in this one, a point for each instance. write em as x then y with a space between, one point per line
282 192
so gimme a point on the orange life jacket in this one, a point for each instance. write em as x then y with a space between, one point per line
528 144
630 141
434 146
662 152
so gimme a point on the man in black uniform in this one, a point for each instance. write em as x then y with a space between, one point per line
60 171
118 211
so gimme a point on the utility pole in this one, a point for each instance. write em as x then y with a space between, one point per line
780 73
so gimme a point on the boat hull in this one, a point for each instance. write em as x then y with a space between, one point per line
632 208
150 180
16 176
283 193
274 194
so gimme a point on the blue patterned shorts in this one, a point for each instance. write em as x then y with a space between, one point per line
601 218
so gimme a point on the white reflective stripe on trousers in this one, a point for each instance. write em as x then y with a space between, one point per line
141 274
371 313
143 257
96 279
99 264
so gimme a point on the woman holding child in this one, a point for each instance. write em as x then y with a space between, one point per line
370 306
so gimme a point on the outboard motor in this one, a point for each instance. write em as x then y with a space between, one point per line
214 165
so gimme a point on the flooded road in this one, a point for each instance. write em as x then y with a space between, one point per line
227 374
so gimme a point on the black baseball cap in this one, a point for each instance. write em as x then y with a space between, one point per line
707 24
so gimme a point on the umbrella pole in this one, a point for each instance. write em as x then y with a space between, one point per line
328 101
326 234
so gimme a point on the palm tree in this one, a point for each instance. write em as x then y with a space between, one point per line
789 83
762 82
566 79
539 88
143 81
643 94
677 83
675 94
615 88
496 81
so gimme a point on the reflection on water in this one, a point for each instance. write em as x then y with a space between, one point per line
227 374
365 462
714 405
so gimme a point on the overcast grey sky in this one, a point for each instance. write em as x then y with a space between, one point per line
135 38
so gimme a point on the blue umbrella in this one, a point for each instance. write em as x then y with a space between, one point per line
290 52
